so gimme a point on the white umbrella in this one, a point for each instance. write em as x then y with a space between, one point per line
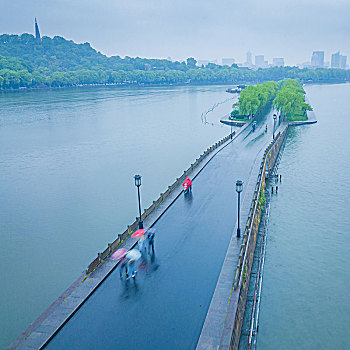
133 255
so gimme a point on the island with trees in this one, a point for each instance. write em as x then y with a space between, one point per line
287 96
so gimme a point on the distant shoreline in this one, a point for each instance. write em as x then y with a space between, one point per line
136 85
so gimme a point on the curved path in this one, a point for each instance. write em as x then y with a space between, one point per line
165 306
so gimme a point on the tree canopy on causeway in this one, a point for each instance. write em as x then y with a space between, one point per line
57 62
254 98
290 101
287 96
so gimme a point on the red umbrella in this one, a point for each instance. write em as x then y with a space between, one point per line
118 254
138 233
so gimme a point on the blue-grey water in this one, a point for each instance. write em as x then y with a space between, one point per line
67 158
67 161
306 286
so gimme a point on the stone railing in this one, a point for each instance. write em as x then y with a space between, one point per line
253 220
245 259
131 228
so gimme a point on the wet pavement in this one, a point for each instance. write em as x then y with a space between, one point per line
166 305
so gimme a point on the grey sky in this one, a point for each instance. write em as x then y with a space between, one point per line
204 29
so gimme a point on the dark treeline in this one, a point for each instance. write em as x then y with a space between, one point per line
56 62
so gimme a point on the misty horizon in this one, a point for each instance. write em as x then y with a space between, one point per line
199 29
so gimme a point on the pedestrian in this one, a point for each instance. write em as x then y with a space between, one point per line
132 267
141 243
189 183
132 255
150 238
124 265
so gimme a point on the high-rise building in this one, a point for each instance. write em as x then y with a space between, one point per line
249 59
278 62
260 61
317 59
343 61
37 33
228 61
338 61
335 60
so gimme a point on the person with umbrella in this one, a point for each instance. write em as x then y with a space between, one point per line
124 265
141 243
119 254
140 235
133 255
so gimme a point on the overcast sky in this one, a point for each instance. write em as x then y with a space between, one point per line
203 29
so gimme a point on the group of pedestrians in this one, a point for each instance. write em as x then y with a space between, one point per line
149 238
128 261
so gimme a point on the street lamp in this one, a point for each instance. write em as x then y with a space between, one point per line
274 123
138 184
239 189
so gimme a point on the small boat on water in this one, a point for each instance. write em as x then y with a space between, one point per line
236 90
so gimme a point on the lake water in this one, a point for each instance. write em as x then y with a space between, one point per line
305 296
67 161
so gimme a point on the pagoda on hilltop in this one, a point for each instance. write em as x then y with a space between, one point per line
37 33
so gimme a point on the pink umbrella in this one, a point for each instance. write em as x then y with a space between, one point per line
118 254
138 233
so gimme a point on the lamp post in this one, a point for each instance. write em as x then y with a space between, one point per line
274 124
231 132
138 184
239 189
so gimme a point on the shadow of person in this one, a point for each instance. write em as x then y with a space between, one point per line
188 197
130 288
153 262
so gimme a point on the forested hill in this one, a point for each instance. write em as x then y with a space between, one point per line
59 54
54 62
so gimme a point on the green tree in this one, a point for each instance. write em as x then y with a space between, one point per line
191 62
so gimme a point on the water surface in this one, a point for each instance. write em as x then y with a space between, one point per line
305 297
